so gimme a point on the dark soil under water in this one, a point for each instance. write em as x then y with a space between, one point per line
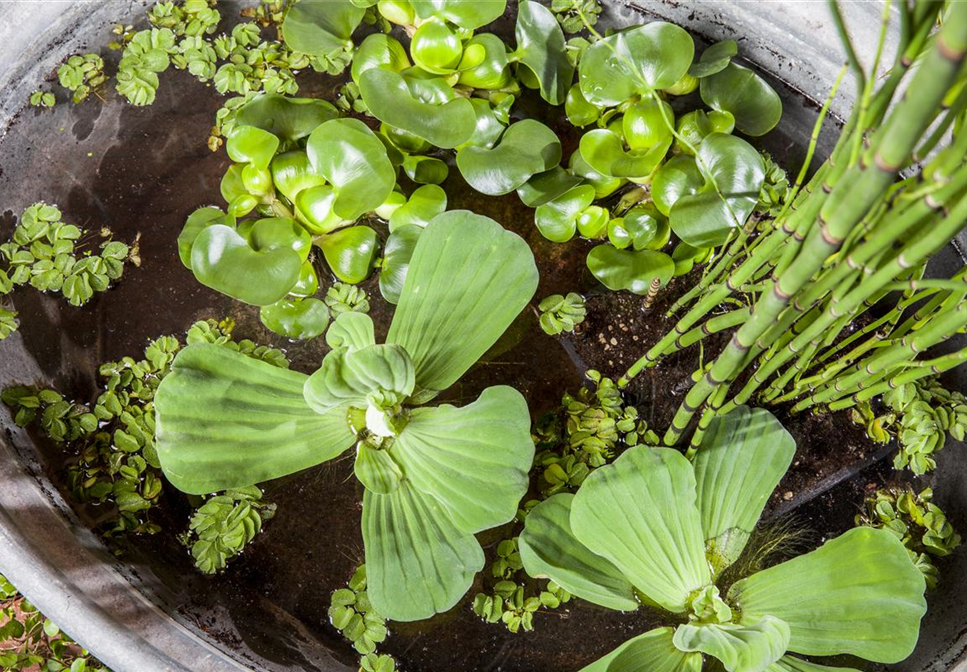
144 170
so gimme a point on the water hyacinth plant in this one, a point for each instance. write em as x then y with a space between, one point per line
433 476
654 528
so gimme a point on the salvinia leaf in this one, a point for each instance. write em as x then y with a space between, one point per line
549 549
640 513
740 648
635 62
418 562
467 281
473 459
526 148
319 27
353 160
228 421
349 376
650 652
743 456
541 49
858 594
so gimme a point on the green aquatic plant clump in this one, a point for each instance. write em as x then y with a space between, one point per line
562 313
432 476
684 523
916 521
113 439
353 615
49 255
221 527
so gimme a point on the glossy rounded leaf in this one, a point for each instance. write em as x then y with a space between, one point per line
706 218
396 260
749 98
647 227
314 206
279 232
379 51
527 147
300 319
231 186
714 59
403 141
308 283
469 15
351 252
197 222
488 128
289 119
223 260
319 27
353 160
425 169
579 111
390 100
541 49
250 144
424 204
603 150
435 47
557 220
635 62
603 185
695 126
545 187
644 125
593 222
292 172
492 72
630 270
678 177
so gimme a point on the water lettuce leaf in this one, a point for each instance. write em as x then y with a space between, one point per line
740 648
639 512
650 652
549 549
466 283
742 458
228 421
349 376
858 594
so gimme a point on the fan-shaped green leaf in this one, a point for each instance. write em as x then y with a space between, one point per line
464 266
227 421
418 562
550 550
635 62
742 458
223 260
630 270
353 160
319 27
527 147
650 652
250 144
640 513
272 233
541 48
749 98
740 648
390 99
473 459
858 593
